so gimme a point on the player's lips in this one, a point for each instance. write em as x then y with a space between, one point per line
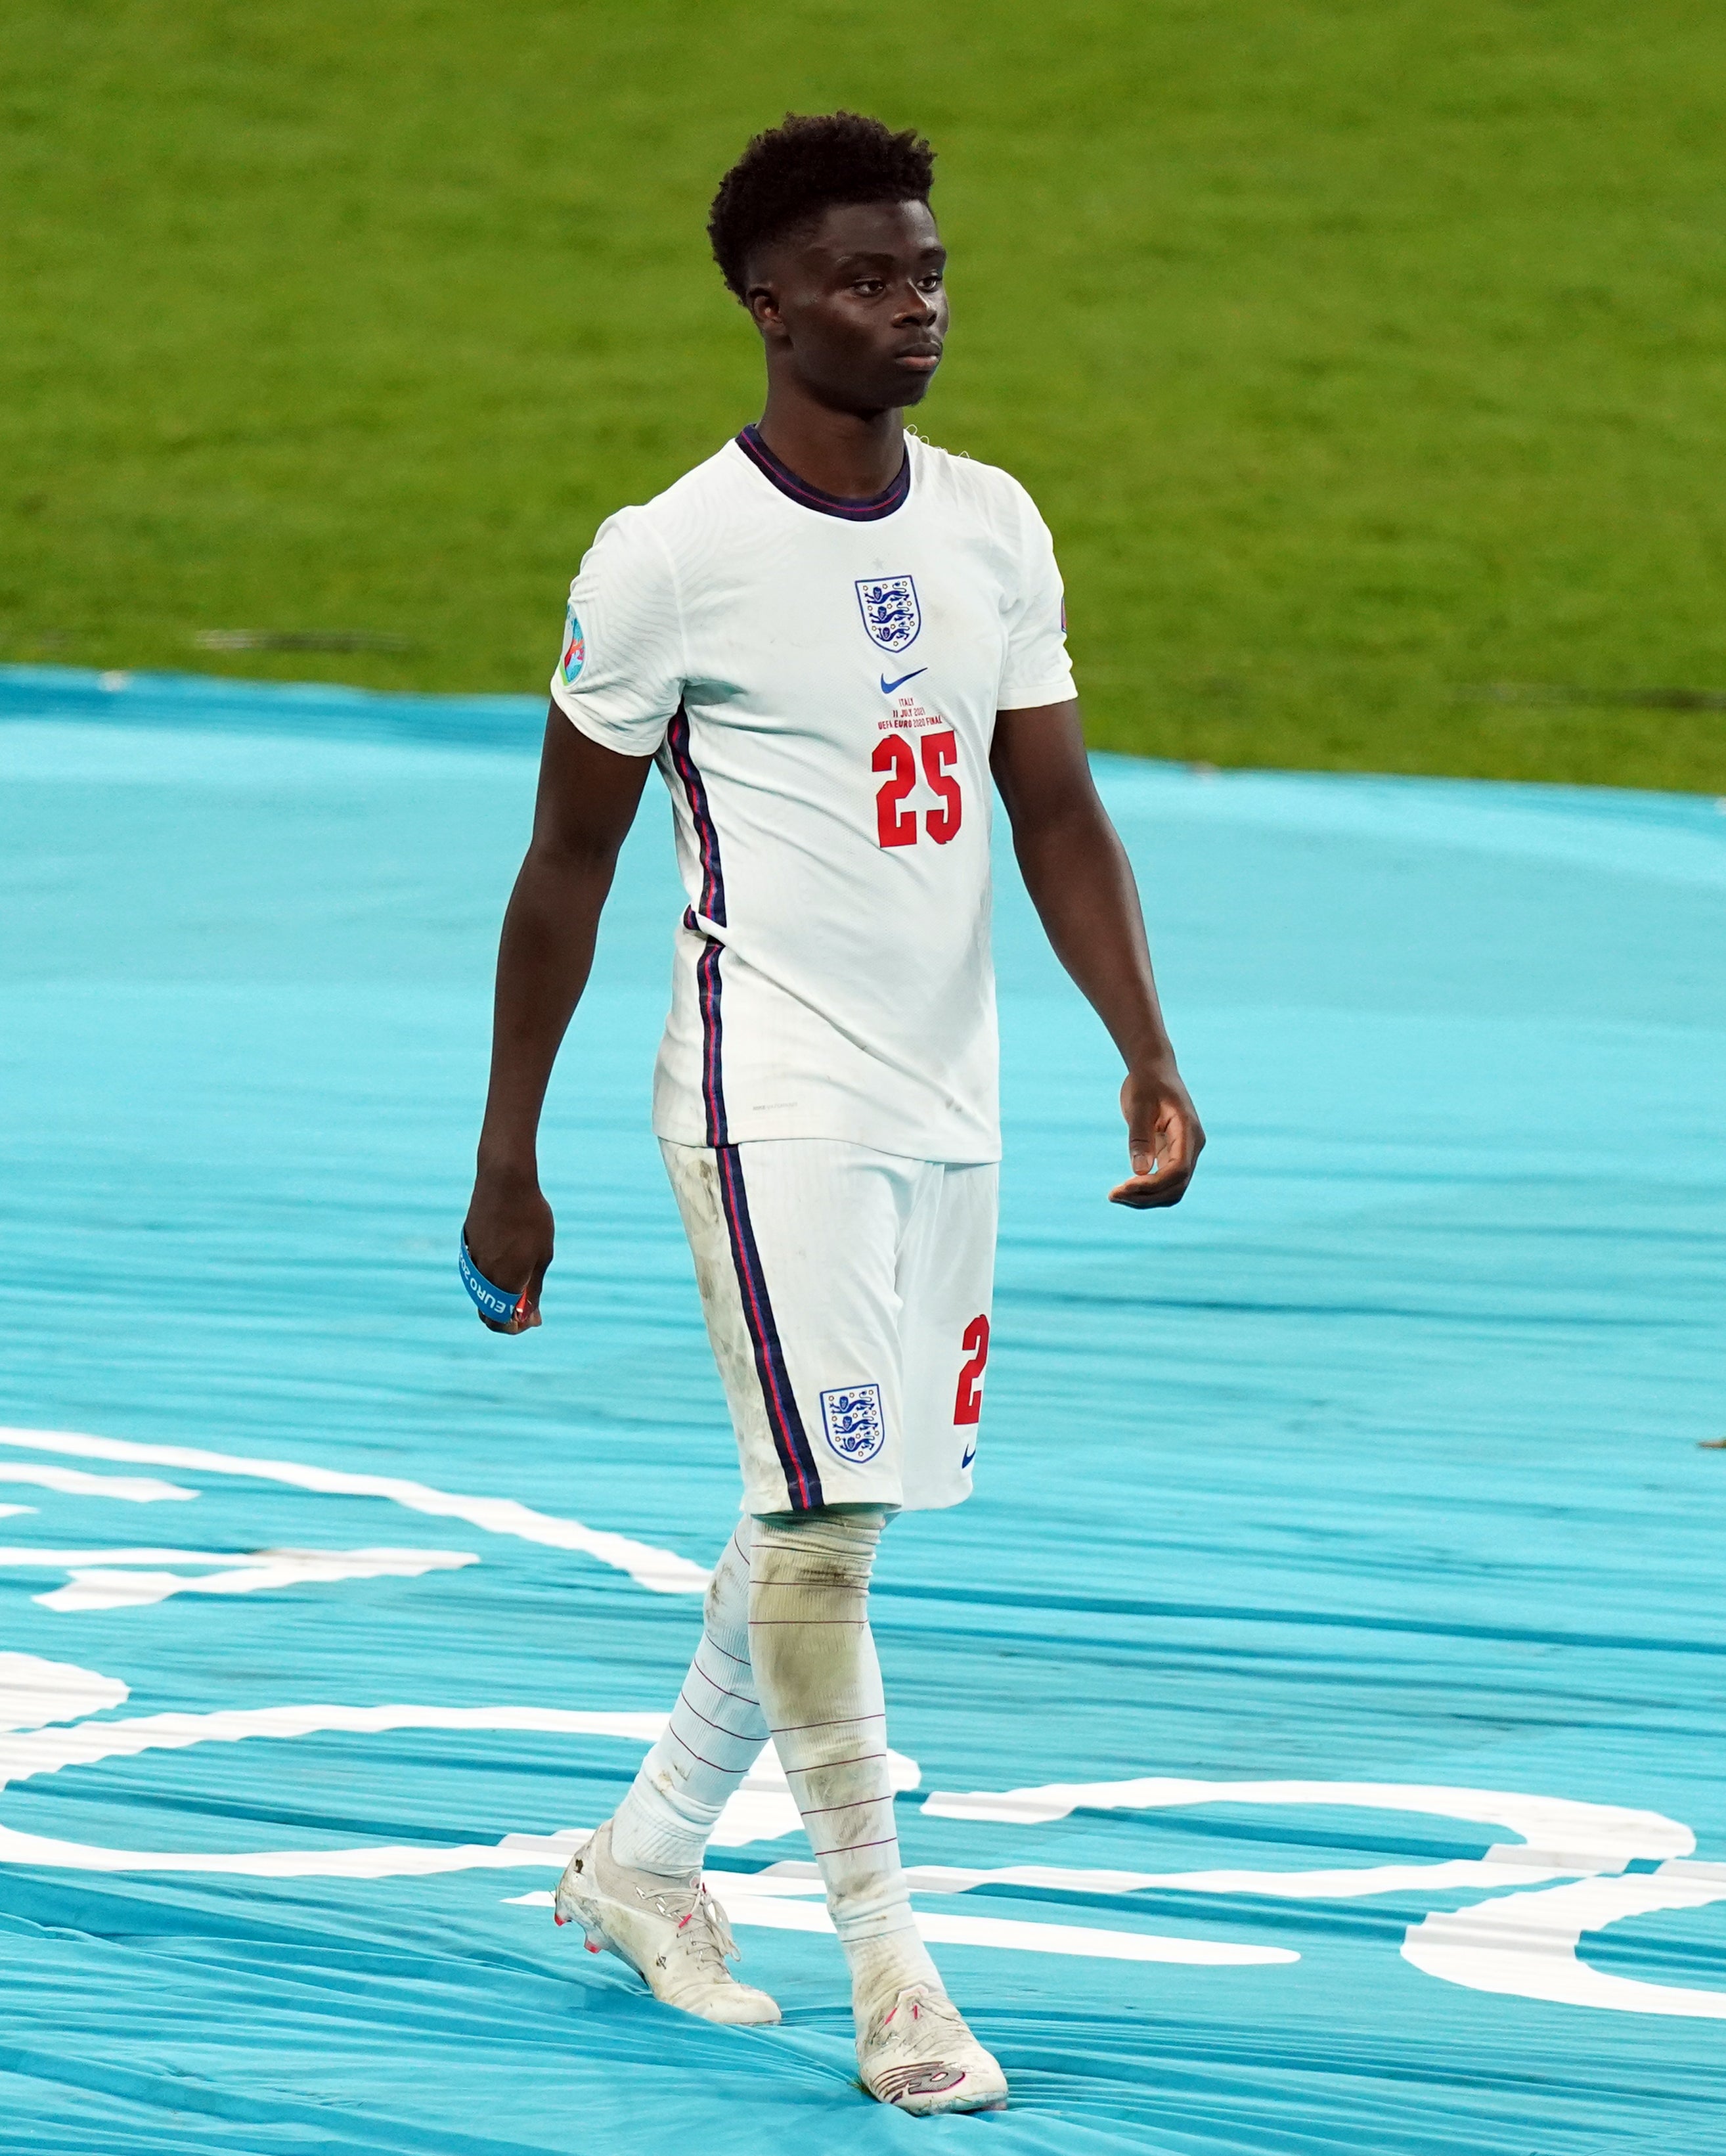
924 357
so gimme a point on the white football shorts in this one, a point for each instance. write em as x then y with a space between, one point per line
847 1293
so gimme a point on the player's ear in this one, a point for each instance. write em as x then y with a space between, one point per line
762 301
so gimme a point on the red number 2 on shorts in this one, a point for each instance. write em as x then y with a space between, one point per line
896 825
968 1406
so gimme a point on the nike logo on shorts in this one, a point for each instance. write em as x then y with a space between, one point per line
887 687
971 1455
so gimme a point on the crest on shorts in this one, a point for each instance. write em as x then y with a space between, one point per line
575 648
890 611
855 1426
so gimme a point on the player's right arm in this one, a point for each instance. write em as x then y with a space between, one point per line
587 798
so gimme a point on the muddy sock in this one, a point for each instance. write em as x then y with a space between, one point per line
714 1736
815 1666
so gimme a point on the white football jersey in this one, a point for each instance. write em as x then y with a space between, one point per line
818 679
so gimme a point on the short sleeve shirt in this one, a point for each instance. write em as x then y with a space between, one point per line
817 680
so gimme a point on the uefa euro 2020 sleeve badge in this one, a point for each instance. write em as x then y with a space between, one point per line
890 611
575 648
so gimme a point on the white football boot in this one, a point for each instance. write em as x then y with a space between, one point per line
918 2055
671 1932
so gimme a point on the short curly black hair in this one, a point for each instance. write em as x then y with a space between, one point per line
794 171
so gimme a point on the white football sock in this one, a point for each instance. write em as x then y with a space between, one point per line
818 1677
714 1736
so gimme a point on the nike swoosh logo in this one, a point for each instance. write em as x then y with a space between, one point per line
887 687
970 1456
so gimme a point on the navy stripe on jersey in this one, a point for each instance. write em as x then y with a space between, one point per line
713 1087
708 984
707 839
803 1479
865 511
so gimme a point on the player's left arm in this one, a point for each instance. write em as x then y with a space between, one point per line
1081 883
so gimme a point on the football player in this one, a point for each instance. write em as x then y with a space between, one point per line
829 638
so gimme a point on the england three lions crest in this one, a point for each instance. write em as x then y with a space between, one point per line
890 611
855 1425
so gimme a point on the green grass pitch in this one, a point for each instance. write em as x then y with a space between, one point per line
1366 356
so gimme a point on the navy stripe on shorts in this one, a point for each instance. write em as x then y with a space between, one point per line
802 1478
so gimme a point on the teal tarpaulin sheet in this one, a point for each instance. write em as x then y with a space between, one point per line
1311 1733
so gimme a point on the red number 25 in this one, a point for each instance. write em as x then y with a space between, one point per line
895 825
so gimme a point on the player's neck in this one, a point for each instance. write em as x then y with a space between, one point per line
855 455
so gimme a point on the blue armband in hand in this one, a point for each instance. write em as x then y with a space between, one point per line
492 1302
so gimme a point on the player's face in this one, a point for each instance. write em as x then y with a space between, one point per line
856 304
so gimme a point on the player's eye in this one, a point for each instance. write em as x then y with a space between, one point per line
869 284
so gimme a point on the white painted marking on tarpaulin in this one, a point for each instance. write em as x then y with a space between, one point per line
46 1751
42 1751
1523 1944
779 1914
661 1571
1526 1944
1560 1834
112 1579
380 1861
952 1929
33 1691
769 1806
762 1809
1532 1956
1345 1883
79 1482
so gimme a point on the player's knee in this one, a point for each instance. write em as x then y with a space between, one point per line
826 1546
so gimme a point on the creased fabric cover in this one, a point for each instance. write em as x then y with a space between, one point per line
1368 1479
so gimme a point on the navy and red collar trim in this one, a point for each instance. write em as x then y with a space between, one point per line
799 491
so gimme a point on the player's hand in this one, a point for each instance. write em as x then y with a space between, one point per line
510 1235
1165 1138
